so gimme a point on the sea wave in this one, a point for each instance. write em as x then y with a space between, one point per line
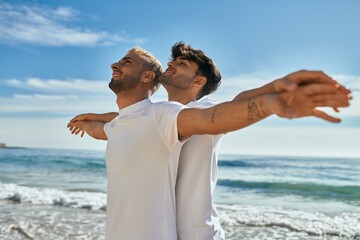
343 193
52 159
236 163
341 224
47 196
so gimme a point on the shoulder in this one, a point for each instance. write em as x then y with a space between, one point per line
167 110
203 103
169 105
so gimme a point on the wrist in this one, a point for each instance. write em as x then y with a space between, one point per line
258 108
265 103
274 86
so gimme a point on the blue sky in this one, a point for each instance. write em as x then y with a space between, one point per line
56 55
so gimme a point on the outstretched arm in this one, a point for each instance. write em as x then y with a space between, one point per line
224 117
94 129
291 82
237 114
78 128
104 117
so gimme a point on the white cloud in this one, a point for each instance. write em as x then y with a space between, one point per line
233 85
57 85
45 97
48 104
51 96
50 27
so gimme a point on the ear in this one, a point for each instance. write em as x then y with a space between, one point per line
148 76
199 81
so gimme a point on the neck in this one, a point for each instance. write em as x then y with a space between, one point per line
181 98
125 99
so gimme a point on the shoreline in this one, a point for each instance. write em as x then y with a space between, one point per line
57 221
6 147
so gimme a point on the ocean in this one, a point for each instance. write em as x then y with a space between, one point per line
61 194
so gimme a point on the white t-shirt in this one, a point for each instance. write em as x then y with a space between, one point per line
142 156
197 218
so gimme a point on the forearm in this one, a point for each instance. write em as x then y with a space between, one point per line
107 117
222 118
104 117
266 89
95 129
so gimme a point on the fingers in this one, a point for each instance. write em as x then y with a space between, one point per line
326 95
318 88
80 117
330 100
343 89
75 119
75 129
320 114
304 77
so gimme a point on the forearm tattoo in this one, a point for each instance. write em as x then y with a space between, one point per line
213 116
253 110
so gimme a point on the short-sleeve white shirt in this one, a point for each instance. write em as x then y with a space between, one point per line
197 218
142 156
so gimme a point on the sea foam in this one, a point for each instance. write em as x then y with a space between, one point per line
312 223
48 196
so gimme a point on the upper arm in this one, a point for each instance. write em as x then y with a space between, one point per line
193 121
222 118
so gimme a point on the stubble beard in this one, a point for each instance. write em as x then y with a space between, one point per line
177 82
125 83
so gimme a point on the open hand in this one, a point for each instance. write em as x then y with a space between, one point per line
305 100
303 77
80 117
76 127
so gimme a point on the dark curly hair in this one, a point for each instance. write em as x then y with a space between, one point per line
206 66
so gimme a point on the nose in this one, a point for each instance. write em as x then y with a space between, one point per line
171 64
114 66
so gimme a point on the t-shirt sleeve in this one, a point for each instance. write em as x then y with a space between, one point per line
166 114
106 126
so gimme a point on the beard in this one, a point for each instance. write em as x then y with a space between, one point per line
179 81
125 83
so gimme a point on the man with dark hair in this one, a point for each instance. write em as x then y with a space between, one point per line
206 67
145 139
197 217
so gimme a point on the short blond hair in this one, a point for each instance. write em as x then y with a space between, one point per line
152 64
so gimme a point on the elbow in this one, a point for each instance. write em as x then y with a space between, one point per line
100 137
